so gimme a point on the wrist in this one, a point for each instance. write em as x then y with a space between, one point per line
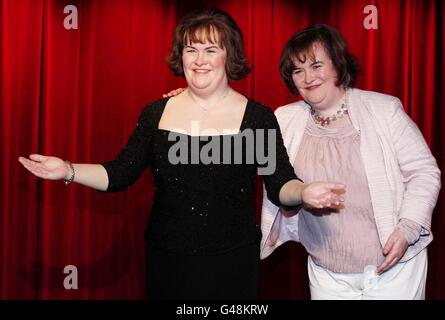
69 177
303 191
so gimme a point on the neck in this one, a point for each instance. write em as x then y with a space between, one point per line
334 106
204 96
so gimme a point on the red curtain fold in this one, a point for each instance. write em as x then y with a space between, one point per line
77 94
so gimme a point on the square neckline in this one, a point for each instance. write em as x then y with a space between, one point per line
242 126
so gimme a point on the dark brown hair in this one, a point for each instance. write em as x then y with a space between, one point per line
299 46
201 26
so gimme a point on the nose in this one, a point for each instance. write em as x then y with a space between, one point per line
308 77
200 59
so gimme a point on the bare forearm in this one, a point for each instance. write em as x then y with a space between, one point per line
314 194
290 193
91 175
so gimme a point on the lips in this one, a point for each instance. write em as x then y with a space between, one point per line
312 87
201 70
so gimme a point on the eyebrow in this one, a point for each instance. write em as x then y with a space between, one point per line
209 47
315 62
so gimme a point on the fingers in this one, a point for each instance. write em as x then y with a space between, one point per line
389 256
333 198
389 245
386 264
29 163
37 157
320 195
336 185
338 188
173 93
394 250
329 199
391 259
24 161
34 167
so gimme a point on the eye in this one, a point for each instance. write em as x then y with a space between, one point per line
316 66
211 51
297 71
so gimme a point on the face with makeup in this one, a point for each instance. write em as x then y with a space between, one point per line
204 63
315 77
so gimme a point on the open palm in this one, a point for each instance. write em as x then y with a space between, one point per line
45 167
323 194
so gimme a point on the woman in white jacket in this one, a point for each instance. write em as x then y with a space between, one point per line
373 246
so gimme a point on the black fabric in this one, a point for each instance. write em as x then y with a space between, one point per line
229 276
201 209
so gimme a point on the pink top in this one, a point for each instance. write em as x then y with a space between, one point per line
347 240
402 174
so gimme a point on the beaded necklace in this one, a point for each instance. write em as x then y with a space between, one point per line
325 121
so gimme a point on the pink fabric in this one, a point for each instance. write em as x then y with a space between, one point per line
335 240
403 177
410 229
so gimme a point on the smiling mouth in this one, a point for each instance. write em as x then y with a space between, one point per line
313 87
201 71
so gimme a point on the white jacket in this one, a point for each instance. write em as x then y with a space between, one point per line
403 176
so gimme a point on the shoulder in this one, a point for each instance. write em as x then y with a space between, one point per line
286 110
260 115
375 100
259 112
292 109
155 106
260 108
152 112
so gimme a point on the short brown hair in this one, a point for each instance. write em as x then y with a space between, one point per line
300 45
199 27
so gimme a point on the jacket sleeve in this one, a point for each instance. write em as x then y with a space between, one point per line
418 167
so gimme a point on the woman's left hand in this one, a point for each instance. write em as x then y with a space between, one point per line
393 251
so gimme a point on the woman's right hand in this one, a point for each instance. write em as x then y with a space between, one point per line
173 92
323 194
46 167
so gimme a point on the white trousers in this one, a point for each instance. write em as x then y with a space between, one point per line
404 281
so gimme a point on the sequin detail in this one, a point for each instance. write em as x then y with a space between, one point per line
198 208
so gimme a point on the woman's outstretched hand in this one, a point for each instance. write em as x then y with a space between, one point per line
46 167
323 195
173 92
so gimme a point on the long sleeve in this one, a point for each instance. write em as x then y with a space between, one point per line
410 229
418 167
134 157
274 147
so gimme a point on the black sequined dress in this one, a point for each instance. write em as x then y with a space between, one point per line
202 236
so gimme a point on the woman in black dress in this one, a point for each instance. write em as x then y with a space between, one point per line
204 147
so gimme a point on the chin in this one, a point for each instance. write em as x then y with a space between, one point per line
315 97
201 87
198 83
311 100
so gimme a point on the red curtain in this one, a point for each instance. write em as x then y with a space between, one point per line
77 94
